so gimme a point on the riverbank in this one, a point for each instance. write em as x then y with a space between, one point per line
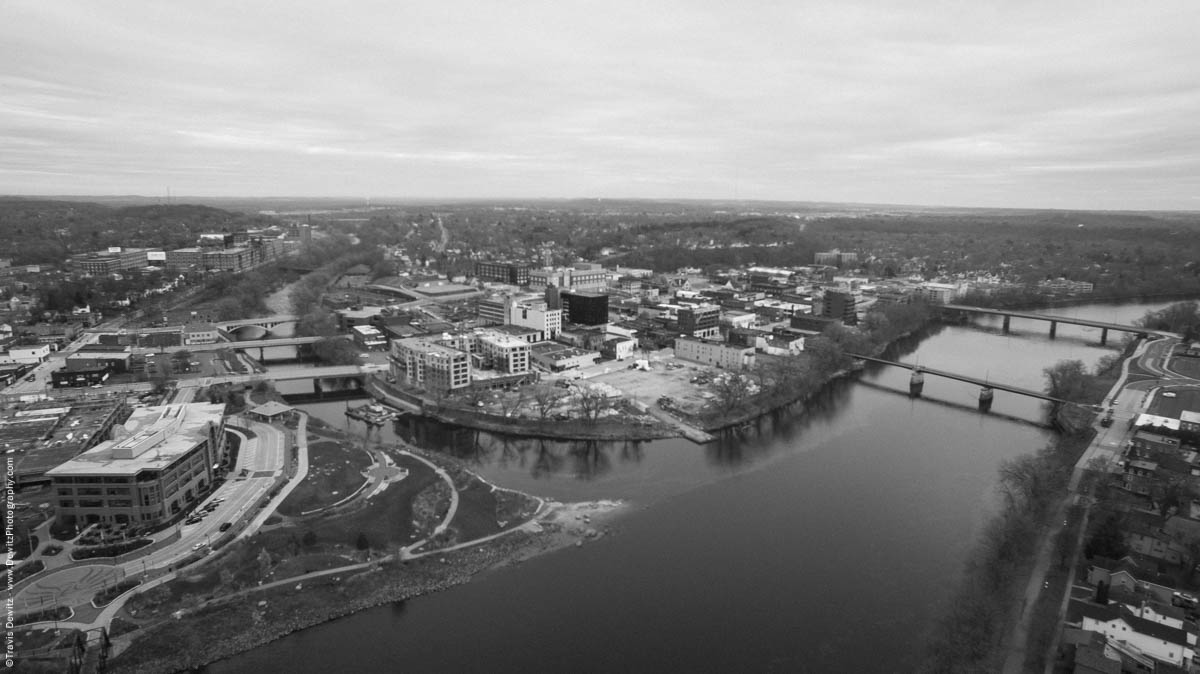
225 628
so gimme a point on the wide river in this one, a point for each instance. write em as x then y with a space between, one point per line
823 541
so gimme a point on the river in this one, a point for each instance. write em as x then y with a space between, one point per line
817 542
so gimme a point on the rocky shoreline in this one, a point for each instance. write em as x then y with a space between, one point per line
223 630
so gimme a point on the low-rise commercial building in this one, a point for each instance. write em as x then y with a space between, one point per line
30 355
200 333
368 337
714 353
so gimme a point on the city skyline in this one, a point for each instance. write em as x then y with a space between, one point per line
1072 105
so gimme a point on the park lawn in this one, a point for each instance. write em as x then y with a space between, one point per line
386 519
307 563
334 472
1186 366
476 516
30 638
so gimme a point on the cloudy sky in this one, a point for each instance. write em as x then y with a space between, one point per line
1064 104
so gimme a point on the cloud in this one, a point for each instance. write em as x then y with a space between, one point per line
924 102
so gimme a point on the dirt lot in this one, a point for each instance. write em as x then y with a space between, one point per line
667 376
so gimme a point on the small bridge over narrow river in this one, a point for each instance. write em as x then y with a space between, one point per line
971 380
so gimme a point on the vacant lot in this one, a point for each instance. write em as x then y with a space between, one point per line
661 380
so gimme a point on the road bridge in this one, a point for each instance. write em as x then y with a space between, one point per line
970 380
1055 320
267 322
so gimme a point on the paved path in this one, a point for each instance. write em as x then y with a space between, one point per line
406 552
67 587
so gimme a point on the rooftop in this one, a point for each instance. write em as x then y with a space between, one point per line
271 408
153 438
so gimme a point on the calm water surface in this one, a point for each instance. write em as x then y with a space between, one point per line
823 541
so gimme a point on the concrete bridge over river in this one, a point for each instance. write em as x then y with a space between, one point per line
982 383
1055 320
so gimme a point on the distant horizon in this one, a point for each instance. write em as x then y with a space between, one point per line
385 201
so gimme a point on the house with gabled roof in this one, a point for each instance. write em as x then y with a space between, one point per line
1133 634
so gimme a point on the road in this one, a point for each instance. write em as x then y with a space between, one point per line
1129 397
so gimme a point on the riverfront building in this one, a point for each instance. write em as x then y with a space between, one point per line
422 361
167 461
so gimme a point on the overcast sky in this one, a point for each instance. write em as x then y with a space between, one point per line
1062 104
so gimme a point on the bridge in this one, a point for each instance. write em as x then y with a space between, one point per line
285 374
251 344
255 328
1055 320
970 380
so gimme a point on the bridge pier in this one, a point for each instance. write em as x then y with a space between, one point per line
1006 320
1103 336
916 383
1053 329
986 394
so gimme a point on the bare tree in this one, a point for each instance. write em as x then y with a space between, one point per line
546 398
511 403
591 403
731 390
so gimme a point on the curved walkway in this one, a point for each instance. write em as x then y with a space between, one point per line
406 552
71 586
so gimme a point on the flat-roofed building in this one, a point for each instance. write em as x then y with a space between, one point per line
493 310
840 305
714 353
557 358
369 337
1189 421
185 258
76 374
31 355
165 460
116 358
584 308
200 333
504 272
535 315
502 352
111 261
570 278
701 321
422 361
229 259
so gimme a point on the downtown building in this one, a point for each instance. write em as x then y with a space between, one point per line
584 308
503 272
112 261
426 363
166 462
